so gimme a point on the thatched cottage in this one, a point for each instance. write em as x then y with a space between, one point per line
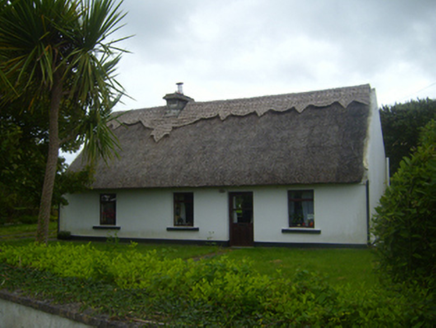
292 169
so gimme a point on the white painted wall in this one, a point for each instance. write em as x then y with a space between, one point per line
375 157
147 213
340 214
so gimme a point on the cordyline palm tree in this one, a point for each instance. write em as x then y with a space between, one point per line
56 53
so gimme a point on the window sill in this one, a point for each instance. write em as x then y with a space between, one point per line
302 230
183 228
106 227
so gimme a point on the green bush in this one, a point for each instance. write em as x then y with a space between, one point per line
28 219
216 292
405 224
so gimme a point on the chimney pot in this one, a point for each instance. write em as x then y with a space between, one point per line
180 87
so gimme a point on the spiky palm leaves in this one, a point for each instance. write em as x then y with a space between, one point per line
57 52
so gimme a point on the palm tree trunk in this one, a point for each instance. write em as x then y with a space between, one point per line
52 161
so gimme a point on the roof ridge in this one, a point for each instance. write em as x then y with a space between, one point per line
359 87
154 117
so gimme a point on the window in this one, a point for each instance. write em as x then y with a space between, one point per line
184 209
108 209
301 208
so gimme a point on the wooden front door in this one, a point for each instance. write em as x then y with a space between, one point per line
241 218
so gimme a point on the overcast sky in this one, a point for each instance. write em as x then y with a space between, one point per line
224 49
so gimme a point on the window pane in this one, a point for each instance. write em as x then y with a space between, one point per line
183 209
301 209
242 208
108 209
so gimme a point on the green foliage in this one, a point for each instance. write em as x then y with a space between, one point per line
216 293
58 64
23 156
68 42
22 163
405 224
401 125
29 219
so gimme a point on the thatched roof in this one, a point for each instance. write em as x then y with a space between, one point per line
300 138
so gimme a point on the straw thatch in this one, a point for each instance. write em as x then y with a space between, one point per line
304 138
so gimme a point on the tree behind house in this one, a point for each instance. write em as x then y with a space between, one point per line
402 124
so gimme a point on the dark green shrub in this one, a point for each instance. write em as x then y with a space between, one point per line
64 235
28 219
405 224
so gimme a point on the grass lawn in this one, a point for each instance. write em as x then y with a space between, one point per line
339 266
23 231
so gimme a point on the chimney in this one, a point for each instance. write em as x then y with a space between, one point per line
176 101
180 87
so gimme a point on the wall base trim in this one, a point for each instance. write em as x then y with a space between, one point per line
308 245
223 243
154 241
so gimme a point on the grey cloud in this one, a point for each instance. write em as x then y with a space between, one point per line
282 41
